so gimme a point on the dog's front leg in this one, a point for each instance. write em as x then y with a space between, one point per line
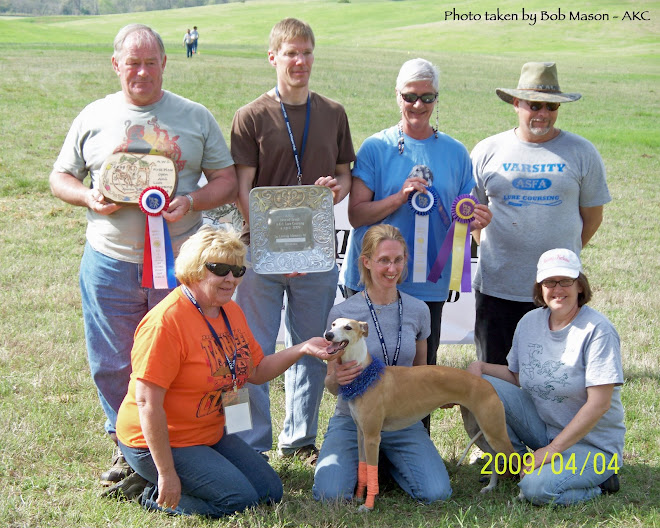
371 448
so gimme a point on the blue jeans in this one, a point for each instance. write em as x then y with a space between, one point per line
113 304
554 484
307 302
415 463
216 480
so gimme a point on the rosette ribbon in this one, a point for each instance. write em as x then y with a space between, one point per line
422 204
457 242
158 260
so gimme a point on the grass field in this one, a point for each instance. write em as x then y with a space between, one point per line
52 445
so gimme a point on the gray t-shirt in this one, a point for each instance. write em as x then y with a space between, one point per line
535 191
175 127
556 367
416 326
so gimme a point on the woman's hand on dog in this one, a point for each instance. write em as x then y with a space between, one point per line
317 347
347 372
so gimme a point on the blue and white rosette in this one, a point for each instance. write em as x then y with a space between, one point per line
158 260
422 204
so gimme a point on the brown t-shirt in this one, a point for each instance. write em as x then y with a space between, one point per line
259 138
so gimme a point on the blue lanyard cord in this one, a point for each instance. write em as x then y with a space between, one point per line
230 363
297 157
380 333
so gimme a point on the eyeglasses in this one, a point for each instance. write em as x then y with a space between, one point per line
426 98
386 263
535 106
222 270
564 283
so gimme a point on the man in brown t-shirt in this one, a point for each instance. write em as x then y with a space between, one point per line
290 136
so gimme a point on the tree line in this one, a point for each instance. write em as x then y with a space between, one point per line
94 7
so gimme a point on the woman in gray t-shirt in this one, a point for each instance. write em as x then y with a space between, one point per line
414 462
561 389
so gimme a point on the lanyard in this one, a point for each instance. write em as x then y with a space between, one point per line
297 157
230 363
380 333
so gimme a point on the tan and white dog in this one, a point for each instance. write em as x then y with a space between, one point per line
401 396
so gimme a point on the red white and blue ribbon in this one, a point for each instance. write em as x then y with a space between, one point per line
158 261
422 204
457 242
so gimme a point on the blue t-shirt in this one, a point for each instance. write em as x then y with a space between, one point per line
443 161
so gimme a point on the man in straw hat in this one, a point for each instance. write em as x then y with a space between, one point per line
545 187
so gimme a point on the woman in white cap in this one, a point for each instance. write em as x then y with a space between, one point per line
561 389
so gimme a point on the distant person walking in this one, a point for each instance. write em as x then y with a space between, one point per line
188 43
195 38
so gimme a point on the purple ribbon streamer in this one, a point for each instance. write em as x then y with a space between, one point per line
443 255
466 279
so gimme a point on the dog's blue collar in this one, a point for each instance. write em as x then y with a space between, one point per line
366 379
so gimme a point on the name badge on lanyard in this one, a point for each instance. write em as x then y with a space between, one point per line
236 405
236 402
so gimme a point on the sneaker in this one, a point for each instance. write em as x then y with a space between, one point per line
118 471
611 485
308 454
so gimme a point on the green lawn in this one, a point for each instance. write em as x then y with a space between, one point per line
52 445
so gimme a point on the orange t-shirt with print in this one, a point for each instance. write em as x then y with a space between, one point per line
174 349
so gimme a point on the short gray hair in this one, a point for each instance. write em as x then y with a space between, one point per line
143 33
417 70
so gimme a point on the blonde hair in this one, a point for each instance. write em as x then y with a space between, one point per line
374 236
289 29
209 244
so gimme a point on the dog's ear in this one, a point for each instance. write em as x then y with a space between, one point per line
364 328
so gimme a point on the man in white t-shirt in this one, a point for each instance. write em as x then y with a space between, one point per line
141 118
545 187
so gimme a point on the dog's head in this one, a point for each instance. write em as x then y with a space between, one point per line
422 171
344 332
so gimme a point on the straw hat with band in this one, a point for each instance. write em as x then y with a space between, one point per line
538 82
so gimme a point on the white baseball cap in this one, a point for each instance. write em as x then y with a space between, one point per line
558 263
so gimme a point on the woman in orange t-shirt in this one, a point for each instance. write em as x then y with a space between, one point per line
192 355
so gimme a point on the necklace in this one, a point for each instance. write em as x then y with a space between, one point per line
400 143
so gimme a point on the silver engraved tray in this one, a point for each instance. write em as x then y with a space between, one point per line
292 229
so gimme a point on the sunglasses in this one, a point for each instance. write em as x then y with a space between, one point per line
426 98
536 106
222 270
